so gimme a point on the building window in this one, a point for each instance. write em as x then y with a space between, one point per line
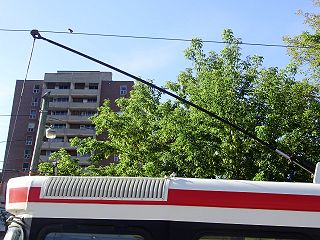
25 166
83 155
88 113
27 154
75 113
79 85
74 126
47 153
59 112
93 85
33 114
123 90
63 85
29 140
62 99
35 101
78 100
51 85
92 100
57 139
59 125
87 126
91 127
31 127
36 88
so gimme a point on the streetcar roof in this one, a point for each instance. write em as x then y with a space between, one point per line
174 199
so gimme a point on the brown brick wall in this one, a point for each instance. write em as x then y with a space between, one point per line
14 162
15 151
111 91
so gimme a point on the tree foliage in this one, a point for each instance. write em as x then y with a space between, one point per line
156 137
308 51
63 162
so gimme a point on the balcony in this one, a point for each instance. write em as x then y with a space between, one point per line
83 161
57 118
79 119
68 118
56 145
58 92
84 92
59 105
61 131
44 158
80 132
75 132
81 105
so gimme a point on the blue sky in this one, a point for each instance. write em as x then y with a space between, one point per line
258 21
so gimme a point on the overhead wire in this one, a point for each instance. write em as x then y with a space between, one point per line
292 159
119 36
27 115
14 115
12 141
157 38
18 108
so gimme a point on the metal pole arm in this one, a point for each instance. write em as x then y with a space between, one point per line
305 165
40 133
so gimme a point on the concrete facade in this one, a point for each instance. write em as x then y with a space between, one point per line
74 96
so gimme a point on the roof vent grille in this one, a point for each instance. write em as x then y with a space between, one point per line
105 188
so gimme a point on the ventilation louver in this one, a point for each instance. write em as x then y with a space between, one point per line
105 188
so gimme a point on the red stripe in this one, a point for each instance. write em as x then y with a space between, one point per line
271 201
224 199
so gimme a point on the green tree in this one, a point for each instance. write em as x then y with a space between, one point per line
61 160
308 51
155 137
265 101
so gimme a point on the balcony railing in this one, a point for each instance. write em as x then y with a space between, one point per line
78 119
81 105
57 118
75 132
59 105
84 92
58 92
82 160
68 118
44 158
56 145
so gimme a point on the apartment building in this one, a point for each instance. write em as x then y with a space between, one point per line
74 97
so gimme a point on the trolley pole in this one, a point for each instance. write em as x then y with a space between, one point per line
309 167
40 134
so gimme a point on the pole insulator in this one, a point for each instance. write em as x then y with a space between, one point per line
35 34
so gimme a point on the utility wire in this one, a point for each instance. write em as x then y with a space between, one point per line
14 115
157 38
13 141
27 115
18 108
303 164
